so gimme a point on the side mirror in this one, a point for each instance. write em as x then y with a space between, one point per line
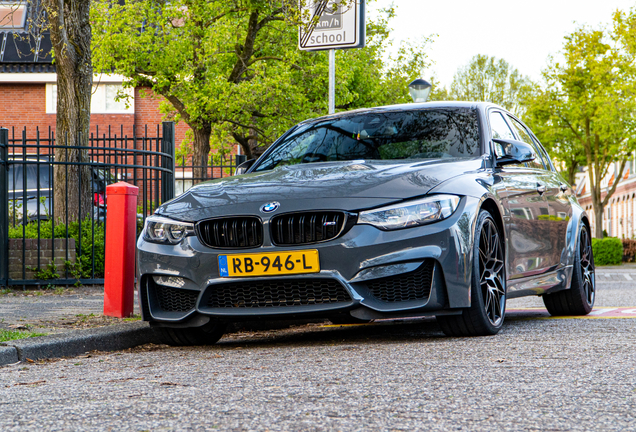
511 151
242 168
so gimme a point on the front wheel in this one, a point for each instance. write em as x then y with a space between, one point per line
485 315
579 299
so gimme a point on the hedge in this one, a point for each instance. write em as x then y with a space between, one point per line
607 251
85 256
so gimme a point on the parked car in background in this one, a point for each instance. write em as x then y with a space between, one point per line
444 209
30 189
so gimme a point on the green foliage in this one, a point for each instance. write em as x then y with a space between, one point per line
607 251
231 69
585 111
489 79
84 255
8 335
46 273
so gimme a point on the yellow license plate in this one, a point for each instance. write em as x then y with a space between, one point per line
270 263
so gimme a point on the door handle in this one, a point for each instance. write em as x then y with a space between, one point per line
564 187
540 188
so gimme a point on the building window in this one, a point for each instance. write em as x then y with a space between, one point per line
103 99
12 16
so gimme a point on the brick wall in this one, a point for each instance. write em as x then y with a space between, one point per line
25 105
48 255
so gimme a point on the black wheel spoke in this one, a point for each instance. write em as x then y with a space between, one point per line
491 268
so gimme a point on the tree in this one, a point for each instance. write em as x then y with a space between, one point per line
231 68
562 145
587 106
70 30
490 80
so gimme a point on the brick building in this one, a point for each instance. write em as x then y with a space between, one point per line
619 216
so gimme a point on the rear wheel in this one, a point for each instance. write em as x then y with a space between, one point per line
488 300
579 299
206 335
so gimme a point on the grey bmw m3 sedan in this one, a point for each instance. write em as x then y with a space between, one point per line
442 209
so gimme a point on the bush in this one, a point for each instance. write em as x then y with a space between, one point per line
85 255
607 251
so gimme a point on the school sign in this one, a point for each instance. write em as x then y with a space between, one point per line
332 24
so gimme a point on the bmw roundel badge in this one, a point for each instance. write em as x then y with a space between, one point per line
270 207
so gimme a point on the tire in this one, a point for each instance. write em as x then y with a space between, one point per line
486 313
206 335
579 299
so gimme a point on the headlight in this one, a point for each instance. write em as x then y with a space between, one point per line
412 213
167 231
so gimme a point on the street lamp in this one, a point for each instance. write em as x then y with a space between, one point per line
420 90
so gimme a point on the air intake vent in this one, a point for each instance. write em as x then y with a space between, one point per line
231 233
310 227
276 293
415 285
175 299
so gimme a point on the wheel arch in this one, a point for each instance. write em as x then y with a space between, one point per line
490 205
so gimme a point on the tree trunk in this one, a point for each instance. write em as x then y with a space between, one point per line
71 38
598 217
201 152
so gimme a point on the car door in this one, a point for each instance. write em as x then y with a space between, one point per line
528 242
558 194
555 195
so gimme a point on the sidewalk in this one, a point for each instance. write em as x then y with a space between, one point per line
59 310
55 311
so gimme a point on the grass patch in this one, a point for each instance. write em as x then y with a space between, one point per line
7 335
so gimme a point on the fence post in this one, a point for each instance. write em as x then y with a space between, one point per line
4 206
239 159
167 148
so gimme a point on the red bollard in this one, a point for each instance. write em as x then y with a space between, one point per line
121 224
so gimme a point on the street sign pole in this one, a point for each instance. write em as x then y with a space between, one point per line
332 81
332 25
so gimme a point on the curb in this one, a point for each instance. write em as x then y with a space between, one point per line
111 338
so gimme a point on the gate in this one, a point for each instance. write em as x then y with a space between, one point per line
36 247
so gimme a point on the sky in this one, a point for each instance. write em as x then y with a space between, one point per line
521 32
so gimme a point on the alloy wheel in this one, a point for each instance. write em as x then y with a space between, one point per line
587 266
491 269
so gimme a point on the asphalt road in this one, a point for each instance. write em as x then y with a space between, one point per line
537 374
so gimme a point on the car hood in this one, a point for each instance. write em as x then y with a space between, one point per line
350 186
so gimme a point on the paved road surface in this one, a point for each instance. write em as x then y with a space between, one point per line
537 374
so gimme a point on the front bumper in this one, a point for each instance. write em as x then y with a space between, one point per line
368 272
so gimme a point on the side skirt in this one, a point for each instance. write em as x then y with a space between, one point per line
545 283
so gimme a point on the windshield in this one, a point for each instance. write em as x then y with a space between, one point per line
417 134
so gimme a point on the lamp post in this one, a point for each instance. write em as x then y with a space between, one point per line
419 90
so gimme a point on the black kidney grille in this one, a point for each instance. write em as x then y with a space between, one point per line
306 228
236 232
276 293
175 299
415 285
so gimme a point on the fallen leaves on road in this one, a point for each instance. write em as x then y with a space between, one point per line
30 383
167 383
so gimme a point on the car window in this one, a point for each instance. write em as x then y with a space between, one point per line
384 135
16 177
544 153
525 137
499 129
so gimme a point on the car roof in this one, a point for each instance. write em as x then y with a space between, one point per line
481 106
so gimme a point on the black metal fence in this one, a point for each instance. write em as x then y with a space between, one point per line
37 247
